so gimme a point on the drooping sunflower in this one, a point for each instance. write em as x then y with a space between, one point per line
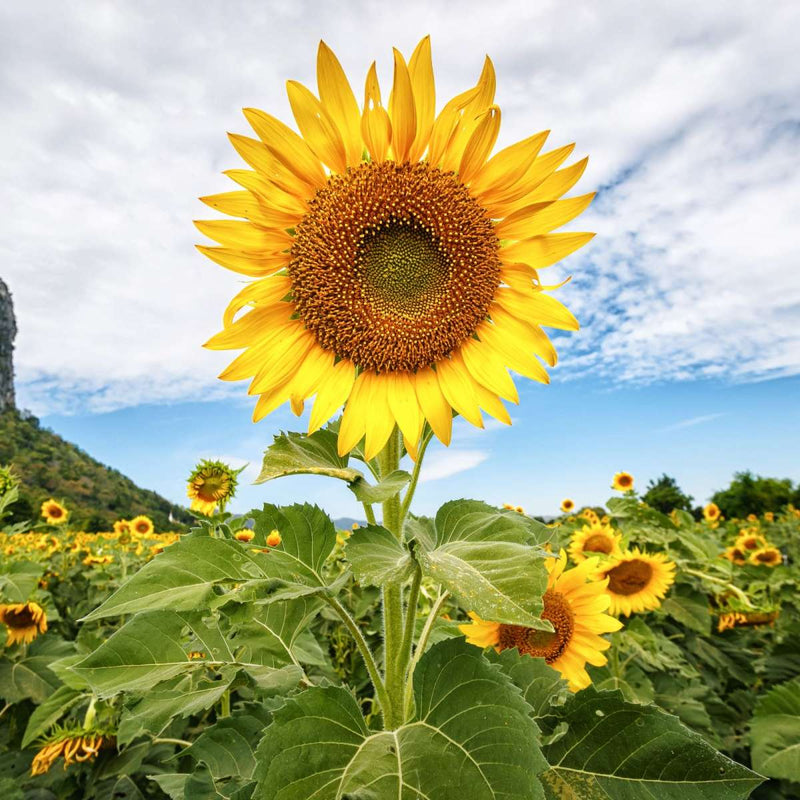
594 540
396 260
23 621
742 619
567 505
142 525
575 603
766 557
211 484
711 512
74 746
637 581
623 482
54 513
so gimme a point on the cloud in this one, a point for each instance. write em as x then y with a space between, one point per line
690 423
446 463
116 114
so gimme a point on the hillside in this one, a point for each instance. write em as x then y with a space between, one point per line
95 494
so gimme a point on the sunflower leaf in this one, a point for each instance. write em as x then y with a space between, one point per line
540 684
227 748
301 454
775 732
390 486
623 750
472 736
20 580
49 712
489 561
377 557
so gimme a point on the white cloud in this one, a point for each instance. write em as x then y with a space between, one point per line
446 463
115 118
690 423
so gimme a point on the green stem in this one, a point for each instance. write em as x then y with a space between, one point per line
370 513
181 742
738 592
225 705
410 626
412 486
363 648
419 651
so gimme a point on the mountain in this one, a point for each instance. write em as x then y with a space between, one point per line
96 495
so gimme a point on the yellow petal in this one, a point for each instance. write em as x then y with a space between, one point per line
263 292
540 218
491 404
310 374
255 264
354 419
514 356
334 389
269 401
456 385
281 360
487 370
404 405
537 307
480 144
402 110
317 127
518 225
287 147
433 404
420 67
542 251
236 234
252 325
508 166
558 183
339 100
376 128
379 422
527 336
273 199
446 124
234 204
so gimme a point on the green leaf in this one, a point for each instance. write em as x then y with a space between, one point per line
472 737
775 732
690 609
49 712
300 454
228 747
390 486
628 751
20 581
540 685
377 557
488 560
31 677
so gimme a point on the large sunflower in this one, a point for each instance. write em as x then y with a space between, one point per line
23 621
575 604
54 513
595 539
142 525
396 261
637 581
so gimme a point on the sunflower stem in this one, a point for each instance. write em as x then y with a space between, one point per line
722 582
370 513
412 486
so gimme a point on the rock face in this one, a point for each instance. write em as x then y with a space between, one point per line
8 330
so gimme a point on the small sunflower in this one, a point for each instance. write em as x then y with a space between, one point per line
623 482
54 513
575 604
750 542
637 581
24 621
567 505
122 527
274 538
594 540
735 555
244 535
769 516
142 525
741 619
711 512
97 561
766 557
73 746
211 484
396 262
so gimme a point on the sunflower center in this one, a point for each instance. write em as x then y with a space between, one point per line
765 558
394 265
54 511
212 487
750 544
598 543
629 577
19 619
542 644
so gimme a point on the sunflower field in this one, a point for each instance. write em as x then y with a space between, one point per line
476 653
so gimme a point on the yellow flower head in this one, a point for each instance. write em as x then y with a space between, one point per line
54 513
769 516
92 560
23 621
74 747
142 525
766 557
274 538
735 555
244 535
575 604
637 581
711 512
594 540
396 262
122 527
567 505
623 482
211 484
750 541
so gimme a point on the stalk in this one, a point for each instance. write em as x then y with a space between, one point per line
412 486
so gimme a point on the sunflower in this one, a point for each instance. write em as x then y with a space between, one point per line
766 557
593 540
121 527
741 619
711 512
567 505
54 513
211 484
769 516
637 581
735 555
396 262
623 482
75 747
750 541
575 605
142 525
24 621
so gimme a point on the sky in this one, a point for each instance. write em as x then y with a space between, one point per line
688 358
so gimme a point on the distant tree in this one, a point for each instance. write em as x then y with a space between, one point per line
665 495
95 524
752 494
21 511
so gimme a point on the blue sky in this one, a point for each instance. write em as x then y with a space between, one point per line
689 297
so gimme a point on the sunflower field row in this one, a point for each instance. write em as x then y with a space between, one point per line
146 664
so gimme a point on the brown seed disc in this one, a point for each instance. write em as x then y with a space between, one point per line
598 543
542 644
19 619
394 265
629 577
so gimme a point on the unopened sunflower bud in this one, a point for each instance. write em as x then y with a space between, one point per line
274 538
244 536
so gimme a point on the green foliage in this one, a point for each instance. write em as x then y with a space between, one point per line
749 494
665 495
775 732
